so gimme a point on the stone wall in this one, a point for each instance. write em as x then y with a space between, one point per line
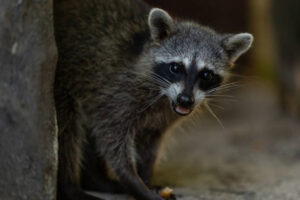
28 141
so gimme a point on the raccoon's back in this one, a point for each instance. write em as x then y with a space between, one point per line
98 42
99 32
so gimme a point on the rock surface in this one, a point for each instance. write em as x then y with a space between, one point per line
27 116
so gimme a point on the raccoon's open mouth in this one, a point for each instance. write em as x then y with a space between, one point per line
181 110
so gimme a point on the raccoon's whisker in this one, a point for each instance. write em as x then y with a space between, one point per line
217 106
213 114
157 75
160 77
161 80
212 103
152 76
155 99
224 87
228 87
157 83
221 99
243 77
195 117
161 84
229 84
232 84
155 80
220 95
231 74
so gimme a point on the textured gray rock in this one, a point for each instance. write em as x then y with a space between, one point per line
27 115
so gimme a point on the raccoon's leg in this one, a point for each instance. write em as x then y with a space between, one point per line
117 147
147 145
94 172
70 142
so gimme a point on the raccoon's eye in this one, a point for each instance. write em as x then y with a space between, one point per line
176 68
206 75
208 79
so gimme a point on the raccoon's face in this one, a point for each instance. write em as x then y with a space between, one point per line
191 61
188 84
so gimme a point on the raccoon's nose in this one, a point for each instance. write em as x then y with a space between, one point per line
185 100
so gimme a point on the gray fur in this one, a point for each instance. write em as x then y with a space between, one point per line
160 23
105 88
237 45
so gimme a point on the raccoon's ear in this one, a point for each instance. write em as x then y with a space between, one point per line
161 24
236 45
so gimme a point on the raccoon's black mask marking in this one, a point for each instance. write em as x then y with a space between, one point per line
207 78
163 70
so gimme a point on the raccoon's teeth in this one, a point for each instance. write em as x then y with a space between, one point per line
181 110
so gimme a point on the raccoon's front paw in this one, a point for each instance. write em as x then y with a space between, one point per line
171 197
165 192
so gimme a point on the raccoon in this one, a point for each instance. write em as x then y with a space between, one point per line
125 73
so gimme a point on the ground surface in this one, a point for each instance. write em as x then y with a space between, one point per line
256 156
